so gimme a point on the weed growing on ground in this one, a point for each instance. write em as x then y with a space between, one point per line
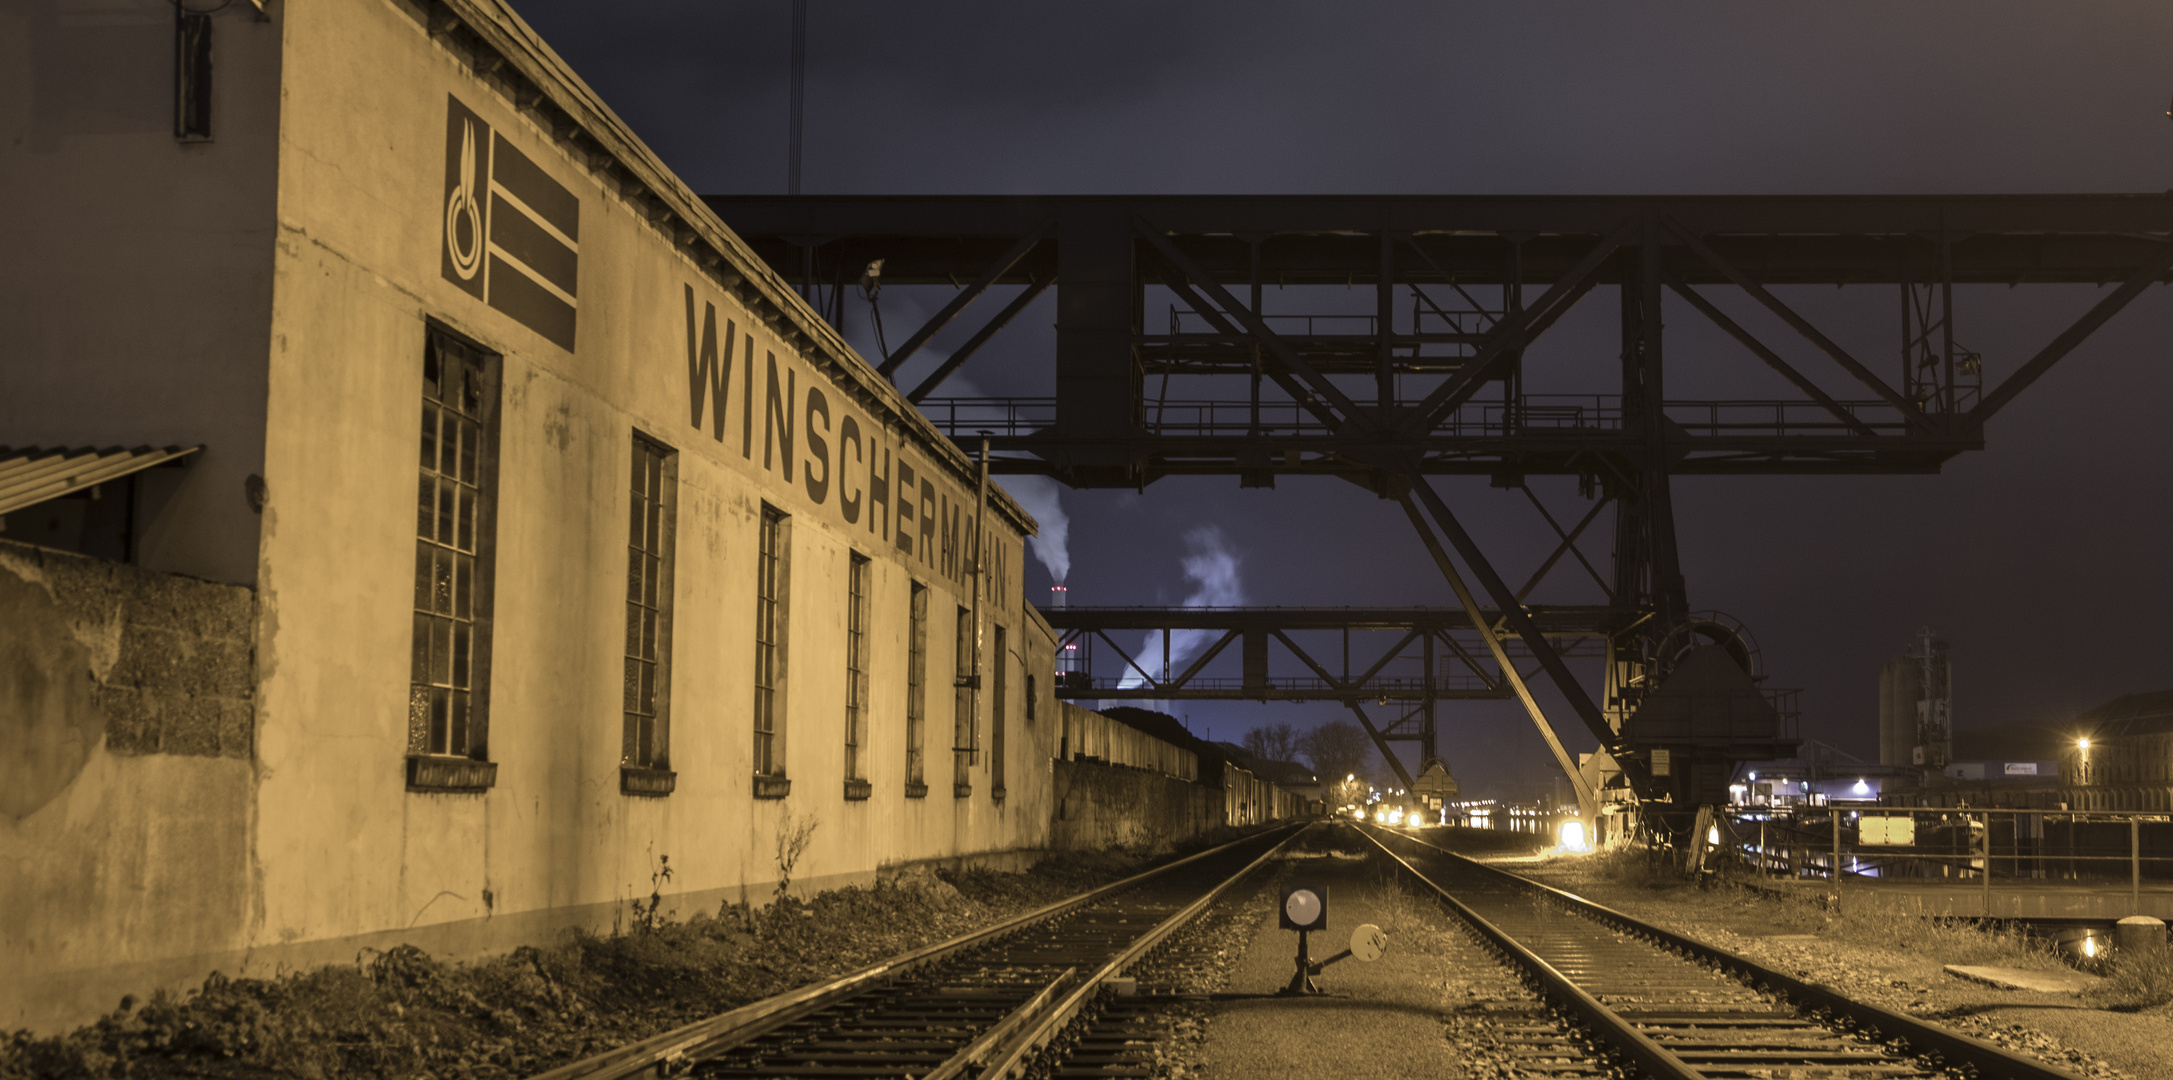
794 834
1633 867
646 919
2136 981
1898 925
1879 922
403 1013
1414 921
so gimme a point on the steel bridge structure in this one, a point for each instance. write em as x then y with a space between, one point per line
1430 381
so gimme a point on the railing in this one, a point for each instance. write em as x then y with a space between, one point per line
1080 684
1534 414
1012 416
1981 847
1427 319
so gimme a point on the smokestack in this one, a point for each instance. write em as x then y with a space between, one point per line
1057 596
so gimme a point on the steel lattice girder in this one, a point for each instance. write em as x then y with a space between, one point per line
1329 239
1098 429
1252 629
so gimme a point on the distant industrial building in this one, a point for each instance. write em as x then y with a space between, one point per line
2121 755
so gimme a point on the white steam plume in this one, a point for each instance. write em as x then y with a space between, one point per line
1212 567
1052 545
1038 494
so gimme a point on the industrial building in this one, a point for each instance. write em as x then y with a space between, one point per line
2121 757
425 517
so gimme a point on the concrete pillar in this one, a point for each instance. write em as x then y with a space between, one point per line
2139 935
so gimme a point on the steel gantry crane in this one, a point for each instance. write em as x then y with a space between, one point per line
1163 292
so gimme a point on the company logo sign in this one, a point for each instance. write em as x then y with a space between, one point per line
512 234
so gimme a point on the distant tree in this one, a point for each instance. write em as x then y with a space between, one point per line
1343 793
1273 742
1338 749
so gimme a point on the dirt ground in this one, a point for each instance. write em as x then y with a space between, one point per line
2122 1028
404 1013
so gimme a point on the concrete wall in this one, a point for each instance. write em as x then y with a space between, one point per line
1249 800
1100 806
126 789
1090 735
138 269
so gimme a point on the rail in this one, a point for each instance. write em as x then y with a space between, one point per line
1564 991
1053 1022
1959 1050
669 1052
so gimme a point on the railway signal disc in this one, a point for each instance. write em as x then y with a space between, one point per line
1305 907
1368 942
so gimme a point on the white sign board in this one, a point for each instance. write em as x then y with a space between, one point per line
1897 829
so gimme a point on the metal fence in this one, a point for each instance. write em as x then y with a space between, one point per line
1986 848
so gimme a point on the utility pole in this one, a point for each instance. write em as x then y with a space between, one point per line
799 90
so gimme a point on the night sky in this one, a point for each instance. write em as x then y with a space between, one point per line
2043 560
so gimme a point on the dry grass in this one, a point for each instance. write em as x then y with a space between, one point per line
1415 921
1902 926
1862 919
2135 981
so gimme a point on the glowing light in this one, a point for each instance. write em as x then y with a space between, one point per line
1573 836
2089 946
2084 743
1754 776
1862 788
1712 836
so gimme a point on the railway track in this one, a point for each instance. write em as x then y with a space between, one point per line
1671 1008
1026 994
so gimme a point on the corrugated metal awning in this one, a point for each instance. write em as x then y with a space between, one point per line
30 475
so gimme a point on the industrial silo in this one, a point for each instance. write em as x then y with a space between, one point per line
1901 687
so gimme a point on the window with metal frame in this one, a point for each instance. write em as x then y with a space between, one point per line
645 752
448 714
192 74
916 694
770 614
964 737
998 664
857 570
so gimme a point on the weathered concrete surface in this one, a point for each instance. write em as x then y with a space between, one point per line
2010 978
126 790
1099 806
1383 1019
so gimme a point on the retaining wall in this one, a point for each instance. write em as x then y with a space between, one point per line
1099 806
126 780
